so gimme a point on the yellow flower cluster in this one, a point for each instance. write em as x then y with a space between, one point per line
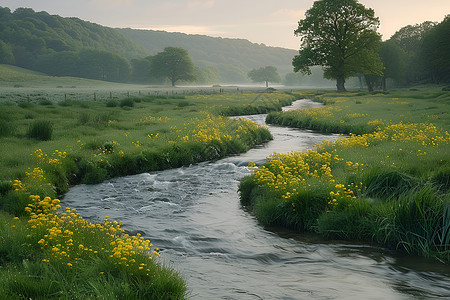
69 238
326 112
153 135
18 186
425 134
340 194
36 174
212 128
54 159
376 122
355 115
287 172
155 119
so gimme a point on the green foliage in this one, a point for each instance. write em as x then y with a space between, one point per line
216 59
129 102
341 36
265 74
112 103
40 130
64 46
435 52
173 64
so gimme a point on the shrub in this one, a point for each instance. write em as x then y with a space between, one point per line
45 102
127 102
111 103
40 130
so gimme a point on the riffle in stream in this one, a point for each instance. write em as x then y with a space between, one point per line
194 216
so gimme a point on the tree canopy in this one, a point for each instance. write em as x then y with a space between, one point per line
341 36
173 63
265 74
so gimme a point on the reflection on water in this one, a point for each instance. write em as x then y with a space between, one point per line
193 214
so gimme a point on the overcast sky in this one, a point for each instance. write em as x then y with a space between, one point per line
261 21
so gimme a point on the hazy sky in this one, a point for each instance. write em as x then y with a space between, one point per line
261 21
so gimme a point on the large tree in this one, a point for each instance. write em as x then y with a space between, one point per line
174 64
265 74
341 36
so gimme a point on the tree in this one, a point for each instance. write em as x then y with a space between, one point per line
265 74
435 52
341 36
393 57
174 64
409 39
6 55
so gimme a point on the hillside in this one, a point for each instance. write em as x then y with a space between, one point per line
30 33
232 58
60 46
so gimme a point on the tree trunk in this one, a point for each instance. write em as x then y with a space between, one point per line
267 84
383 84
340 84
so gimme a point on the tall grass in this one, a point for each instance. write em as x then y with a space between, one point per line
388 185
40 130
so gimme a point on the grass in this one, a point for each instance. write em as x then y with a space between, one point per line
386 183
50 144
31 271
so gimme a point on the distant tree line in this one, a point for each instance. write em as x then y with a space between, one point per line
418 54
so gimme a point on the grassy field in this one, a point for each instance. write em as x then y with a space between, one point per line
386 183
49 144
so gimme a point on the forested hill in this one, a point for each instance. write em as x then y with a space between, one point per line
230 57
31 34
72 47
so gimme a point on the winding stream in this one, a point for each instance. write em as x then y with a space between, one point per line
193 214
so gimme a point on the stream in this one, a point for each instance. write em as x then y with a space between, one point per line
193 214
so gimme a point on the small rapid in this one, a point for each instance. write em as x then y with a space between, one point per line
194 215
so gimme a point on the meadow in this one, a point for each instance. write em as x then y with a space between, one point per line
50 144
386 182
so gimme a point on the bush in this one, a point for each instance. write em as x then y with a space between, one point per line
40 130
45 102
127 102
111 103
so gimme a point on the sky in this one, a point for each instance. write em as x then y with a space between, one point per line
269 22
